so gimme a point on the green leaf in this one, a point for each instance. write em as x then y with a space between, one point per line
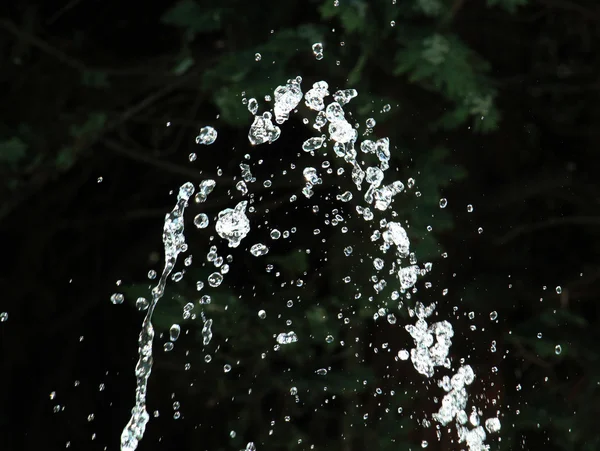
12 150
184 65
353 14
65 158
192 18
94 123
509 5
94 79
294 263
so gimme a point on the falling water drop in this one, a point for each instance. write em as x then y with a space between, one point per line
174 332
207 136
317 49
201 220
117 298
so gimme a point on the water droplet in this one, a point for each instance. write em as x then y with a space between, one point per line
403 354
117 298
174 332
493 315
257 57
345 196
275 234
393 24
259 250
285 338
201 220
253 106
558 290
443 202
321 372
262 314
317 49
207 136
207 333
215 279
263 130
312 144
492 425
329 338
3 317
470 208
558 349
141 304
226 368
287 98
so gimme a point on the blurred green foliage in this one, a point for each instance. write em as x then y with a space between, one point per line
196 60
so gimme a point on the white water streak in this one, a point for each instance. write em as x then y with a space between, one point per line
174 244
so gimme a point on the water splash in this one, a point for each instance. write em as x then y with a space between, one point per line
174 244
432 342
233 224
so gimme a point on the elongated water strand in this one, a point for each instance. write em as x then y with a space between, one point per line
174 244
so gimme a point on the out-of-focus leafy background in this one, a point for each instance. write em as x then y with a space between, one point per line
493 103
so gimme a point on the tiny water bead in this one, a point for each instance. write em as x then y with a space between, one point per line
207 136
174 332
558 289
557 349
317 49
443 202
117 298
262 314
142 304
493 315
215 279
259 250
329 338
3 317
257 57
201 220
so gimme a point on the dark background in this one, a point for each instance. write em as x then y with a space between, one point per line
505 120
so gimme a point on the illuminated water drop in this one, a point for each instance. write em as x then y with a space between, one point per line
317 49
201 220
117 298
207 136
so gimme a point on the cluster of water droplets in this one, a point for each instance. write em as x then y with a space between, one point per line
432 342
